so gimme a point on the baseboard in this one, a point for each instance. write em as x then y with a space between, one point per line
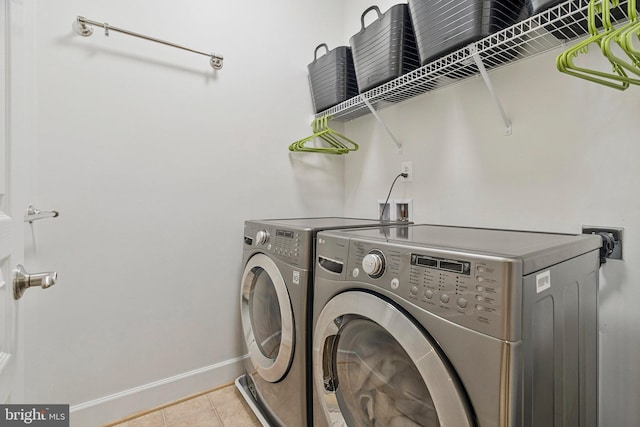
116 406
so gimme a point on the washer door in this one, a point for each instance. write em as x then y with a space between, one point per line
267 318
373 367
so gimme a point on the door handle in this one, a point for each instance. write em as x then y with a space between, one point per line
23 280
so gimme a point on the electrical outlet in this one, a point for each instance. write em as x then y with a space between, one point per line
407 167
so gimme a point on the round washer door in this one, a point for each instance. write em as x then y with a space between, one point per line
373 366
267 318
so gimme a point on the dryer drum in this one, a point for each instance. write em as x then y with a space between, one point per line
263 301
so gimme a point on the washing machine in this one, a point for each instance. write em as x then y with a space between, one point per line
275 305
450 326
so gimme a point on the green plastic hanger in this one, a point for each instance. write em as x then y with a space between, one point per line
320 127
335 137
300 146
564 62
617 36
317 133
625 39
324 132
339 144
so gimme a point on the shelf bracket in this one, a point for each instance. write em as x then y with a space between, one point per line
485 76
379 119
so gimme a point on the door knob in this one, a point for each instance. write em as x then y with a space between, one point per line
23 280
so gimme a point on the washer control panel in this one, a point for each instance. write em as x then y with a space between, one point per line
287 244
467 289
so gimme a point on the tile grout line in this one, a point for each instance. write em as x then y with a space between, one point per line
164 419
227 399
215 410
166 405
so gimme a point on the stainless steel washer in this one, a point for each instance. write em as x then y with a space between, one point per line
275 302
449 326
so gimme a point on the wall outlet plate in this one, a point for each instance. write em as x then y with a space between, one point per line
616 232
407 167
396 210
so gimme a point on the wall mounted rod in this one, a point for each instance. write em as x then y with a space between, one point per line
80 26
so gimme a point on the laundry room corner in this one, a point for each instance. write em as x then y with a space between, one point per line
153 160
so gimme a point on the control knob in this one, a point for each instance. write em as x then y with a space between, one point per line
373 264
262 237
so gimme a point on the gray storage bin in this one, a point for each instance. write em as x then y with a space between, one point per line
332 77
537 6
443 26
386 49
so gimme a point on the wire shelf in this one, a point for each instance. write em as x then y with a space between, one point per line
525 39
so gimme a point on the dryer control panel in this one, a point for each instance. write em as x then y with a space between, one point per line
472 290
289 245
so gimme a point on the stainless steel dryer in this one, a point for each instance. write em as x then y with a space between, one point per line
275 302
448 326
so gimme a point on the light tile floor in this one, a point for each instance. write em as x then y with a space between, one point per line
223 407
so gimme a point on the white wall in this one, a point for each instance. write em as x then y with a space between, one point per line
138 144
572 160
154 161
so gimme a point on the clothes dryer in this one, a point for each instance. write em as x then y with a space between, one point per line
275 302
450 326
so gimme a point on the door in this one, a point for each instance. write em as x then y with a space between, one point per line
15 143
267 318
372 366
8 312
